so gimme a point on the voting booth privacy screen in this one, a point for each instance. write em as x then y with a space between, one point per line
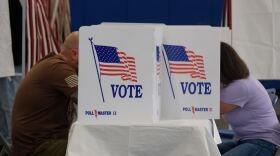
190 72
141 74
117 75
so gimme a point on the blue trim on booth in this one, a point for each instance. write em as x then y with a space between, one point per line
173 12
271 83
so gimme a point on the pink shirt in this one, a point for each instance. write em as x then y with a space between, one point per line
255 118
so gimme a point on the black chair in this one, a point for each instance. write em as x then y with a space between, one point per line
4 147
274 99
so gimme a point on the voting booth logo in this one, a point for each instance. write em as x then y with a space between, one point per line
97 113
183 61
179 60
111 62
194 109
115 63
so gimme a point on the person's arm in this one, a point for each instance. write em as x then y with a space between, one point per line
226 107
73 107
74 97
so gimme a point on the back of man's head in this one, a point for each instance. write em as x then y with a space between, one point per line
70 49
71 41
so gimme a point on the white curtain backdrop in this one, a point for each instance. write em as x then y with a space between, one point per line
6 56
256 35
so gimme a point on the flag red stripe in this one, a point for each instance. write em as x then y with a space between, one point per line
183 72
112 74
111 66
113 70
173 68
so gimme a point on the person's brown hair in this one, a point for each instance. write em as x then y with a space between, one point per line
232 66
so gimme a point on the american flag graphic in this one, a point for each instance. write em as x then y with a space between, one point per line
183 61
115 63
158 60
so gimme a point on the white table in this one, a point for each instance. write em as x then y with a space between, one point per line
167 138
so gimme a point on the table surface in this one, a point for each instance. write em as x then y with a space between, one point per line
166 138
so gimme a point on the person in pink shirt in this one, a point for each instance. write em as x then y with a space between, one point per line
246 106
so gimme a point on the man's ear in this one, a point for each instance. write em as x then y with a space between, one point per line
74 53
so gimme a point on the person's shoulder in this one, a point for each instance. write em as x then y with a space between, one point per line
44 64
241 82
59 66
49 60
55 61
47 57
240 85
249 84
250 81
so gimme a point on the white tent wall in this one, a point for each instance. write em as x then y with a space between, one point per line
225 34
6 55
256 35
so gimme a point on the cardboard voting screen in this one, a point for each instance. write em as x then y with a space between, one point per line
158 37
190 73
117 75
